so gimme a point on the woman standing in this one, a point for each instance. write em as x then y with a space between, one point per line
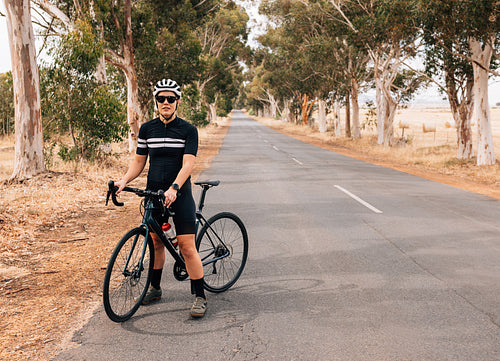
172 144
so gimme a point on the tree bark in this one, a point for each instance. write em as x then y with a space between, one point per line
389 121
135 114
306 108
28 150
462 112
356 132
305 100
337 118
481 55
347 116
213 112
321 116
381 109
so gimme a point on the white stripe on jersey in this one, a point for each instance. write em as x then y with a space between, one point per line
166 145
168 140
161 143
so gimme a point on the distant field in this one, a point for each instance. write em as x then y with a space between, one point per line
438 117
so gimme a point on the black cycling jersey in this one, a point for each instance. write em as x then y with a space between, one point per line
166 145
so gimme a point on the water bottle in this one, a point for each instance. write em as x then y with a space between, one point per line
169 233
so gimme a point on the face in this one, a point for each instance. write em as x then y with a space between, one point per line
166 109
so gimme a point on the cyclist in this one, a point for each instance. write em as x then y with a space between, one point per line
172 144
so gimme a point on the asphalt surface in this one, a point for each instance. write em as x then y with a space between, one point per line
347 261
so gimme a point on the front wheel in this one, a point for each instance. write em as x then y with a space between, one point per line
127 276
223 247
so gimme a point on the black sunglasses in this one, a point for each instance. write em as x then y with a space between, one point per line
161 99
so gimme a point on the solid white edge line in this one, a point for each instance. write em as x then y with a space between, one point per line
366 204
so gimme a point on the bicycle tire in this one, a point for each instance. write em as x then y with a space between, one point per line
125 287
223 273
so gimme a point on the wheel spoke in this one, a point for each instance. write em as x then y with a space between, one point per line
223 246
127 275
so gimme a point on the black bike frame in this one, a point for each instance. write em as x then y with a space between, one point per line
150 224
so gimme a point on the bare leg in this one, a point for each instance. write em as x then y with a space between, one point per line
187 247
159 252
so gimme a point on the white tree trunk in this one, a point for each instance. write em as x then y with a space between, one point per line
482 57
213 112
273 104
381 110
356 132
321 115
389 121
134 113
461 108
336 110
285 115
28 150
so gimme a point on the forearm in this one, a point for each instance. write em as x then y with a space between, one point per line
135 168
187 168
182 176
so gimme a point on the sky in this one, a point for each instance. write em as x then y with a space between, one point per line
428 96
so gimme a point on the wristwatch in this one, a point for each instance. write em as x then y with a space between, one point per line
175 187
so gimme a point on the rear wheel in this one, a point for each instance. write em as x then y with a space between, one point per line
127 276
223 247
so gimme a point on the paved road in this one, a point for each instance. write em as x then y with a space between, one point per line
348 261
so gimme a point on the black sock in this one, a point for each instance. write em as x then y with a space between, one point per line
156 278
197 288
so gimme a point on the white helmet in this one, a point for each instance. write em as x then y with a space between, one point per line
167 85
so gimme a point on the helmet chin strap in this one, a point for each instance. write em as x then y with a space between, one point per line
164 119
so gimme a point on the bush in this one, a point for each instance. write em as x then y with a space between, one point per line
74 104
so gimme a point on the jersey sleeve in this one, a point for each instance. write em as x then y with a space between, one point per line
192 141
142 144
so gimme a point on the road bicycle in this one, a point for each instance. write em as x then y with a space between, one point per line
221 241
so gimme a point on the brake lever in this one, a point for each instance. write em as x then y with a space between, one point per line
112 192
171 213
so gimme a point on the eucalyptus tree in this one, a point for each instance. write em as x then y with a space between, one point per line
147 41
389 33
295 54
446 50
222 37
77 104
483 25
464 35
28 149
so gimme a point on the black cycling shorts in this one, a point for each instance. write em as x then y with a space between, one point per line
183 207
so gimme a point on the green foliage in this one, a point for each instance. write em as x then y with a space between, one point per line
6 104
191 108
222 37
447 26
190 41
79 50
74 104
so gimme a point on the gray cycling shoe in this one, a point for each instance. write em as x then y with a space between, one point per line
199 307
152 295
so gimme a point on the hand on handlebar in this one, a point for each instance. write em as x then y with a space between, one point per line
120 184
170 197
